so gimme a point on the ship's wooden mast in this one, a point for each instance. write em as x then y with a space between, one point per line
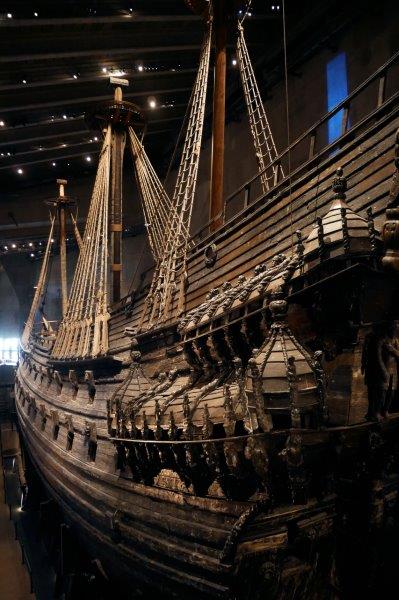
117 151
219 115
61 206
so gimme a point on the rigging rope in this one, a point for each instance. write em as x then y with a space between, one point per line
38 296
265 147
83 331
168 220
76 231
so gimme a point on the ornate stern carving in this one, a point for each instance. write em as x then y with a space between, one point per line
390 231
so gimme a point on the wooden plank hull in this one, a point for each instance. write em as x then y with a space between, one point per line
164 536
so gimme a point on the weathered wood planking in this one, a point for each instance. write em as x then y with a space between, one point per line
266 228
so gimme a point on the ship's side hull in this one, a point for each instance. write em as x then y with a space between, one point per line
155 538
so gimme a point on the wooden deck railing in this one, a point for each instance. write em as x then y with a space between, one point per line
314 143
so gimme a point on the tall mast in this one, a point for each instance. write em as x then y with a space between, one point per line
219 114
117 151
62 229
62 204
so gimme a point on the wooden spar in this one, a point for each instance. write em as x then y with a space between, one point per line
118 143
61 207
219 109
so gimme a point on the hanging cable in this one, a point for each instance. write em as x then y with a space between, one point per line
287 112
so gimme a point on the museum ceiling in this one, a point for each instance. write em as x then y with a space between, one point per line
56 59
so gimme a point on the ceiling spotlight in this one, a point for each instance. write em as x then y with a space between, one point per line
75 76
130 9
30 244
52 240
9 16
63 145
64 117
13 245
95 138
54 164
19 171
140 68
2 124
32 255
152 102
5 247
234 62
88 158
35 14
8 153
104 69
24 81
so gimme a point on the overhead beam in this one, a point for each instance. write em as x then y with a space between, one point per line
127 19
102 52
85 100
94 78
56 156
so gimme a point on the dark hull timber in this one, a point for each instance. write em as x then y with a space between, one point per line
178 543
334 489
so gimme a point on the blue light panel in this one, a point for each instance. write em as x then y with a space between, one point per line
337 90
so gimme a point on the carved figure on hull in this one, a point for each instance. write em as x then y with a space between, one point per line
380 361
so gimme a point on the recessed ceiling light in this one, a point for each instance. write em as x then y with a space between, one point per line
19 171
9 16
35 14
74 76
54 164
140 68
64 117
30 244
64 145
152 102
2 124
104 69
234 62
32 255
52 240
5 247
95 138
24 81
88 158
13 245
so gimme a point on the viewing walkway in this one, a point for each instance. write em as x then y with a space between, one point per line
15 581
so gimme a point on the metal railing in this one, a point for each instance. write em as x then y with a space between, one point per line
311 144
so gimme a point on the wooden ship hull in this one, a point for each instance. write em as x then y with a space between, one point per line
216 515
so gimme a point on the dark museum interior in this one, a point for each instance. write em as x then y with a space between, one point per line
199 299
